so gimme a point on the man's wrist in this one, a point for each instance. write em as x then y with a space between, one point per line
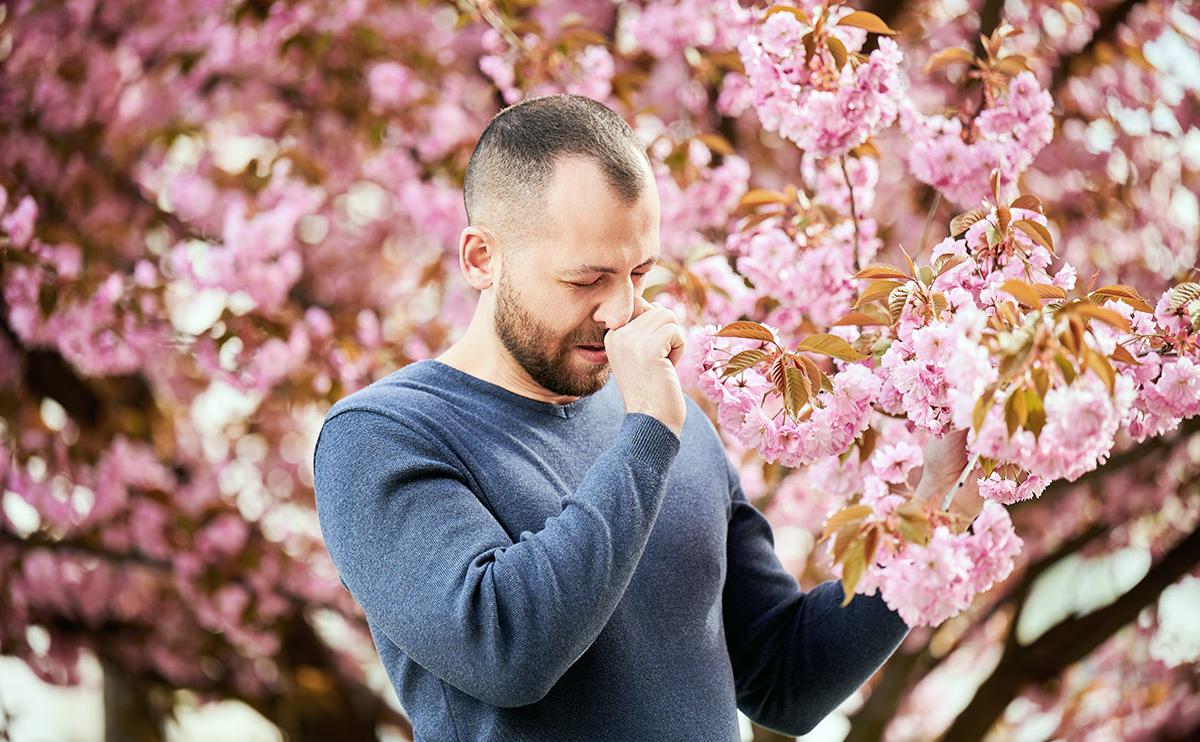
931 490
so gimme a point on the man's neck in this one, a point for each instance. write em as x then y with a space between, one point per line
486 358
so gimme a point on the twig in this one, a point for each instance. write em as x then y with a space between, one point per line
937 201
853 209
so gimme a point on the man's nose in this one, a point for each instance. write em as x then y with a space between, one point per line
617 307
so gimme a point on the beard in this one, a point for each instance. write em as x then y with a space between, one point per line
554 365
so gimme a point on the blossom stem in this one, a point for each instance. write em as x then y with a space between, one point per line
937 201
853 209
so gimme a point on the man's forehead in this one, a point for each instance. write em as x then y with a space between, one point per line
574 268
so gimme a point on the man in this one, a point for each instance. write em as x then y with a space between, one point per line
542 553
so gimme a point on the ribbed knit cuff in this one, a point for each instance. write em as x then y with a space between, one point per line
650 439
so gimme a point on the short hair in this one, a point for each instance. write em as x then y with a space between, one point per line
513 162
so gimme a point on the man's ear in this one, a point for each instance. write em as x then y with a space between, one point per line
478 257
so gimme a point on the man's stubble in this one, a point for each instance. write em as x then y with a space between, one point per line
552 364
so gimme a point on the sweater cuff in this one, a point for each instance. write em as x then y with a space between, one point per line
650 439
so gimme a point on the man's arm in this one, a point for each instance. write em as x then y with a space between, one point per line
796 656
438 575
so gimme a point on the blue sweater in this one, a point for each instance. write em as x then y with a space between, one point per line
540 571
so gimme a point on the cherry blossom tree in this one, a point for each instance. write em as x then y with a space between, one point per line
881 222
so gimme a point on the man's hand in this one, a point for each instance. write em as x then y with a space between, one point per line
945 459
643 354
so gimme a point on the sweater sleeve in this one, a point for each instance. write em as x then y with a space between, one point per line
437 574
796 655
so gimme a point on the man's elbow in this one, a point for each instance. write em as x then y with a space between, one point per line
793 719
795 726
509 689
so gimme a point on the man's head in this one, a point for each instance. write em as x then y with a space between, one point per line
563 224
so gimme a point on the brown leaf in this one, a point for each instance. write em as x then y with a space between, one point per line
1125 293
1027 201
1041 380
846 535
800 14
1104 314
1050 291
866 149
747 330
867 21
897 300
880 270
946 261
830 345
877 289
1102 368
962 222
1023 292
1122 354
859 318
716 143
759 196
1182 295
742 361
796 389
838 50
1004 216
948 57
853 565
1037 233
1012 65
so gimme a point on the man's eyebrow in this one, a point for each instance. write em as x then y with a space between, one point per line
604 269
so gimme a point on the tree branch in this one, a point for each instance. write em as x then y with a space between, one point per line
1068 642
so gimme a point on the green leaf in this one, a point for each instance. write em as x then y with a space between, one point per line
1065 366
1035 418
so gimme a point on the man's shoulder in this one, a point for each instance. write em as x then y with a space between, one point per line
399 395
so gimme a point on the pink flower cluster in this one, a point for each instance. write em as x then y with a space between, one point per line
928 584
809 275
1007 136
587 73
688 215
823 109
828 431
1169 392
665 29
259 254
